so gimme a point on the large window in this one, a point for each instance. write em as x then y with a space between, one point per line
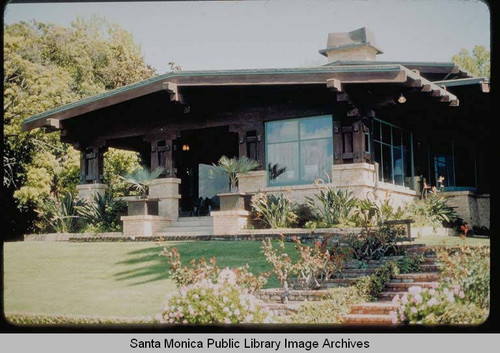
299 151
393 153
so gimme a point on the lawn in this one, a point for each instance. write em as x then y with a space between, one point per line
118 279
452 241
106 279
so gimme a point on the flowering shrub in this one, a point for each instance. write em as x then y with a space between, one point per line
469 268
205 302
427 305
203 270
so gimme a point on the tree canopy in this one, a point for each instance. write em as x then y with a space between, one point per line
477 62
46 66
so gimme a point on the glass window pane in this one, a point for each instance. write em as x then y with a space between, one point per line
376 130
398 166
316 128
283 162
377 157
387 163
282 131
386 134
316 159
396 137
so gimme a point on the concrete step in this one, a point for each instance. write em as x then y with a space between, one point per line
373 308
416 277
388 296
402 286
193 222
368 319
185 232
429 267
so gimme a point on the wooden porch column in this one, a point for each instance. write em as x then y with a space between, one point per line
92 164
161 152
251 141
91 172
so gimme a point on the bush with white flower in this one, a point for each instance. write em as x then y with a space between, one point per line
427 306
206 302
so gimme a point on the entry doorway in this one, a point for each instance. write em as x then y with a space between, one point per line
195 152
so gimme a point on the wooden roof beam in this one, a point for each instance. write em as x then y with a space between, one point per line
173 89
334 84
415 80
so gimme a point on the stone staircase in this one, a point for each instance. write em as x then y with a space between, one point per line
383 311
189 226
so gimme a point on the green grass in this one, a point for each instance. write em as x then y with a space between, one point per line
452 241
106 279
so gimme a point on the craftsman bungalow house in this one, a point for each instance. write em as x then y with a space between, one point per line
377 127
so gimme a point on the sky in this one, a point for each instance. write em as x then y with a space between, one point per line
273 34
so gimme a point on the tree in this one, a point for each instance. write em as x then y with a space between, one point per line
477 64
46 66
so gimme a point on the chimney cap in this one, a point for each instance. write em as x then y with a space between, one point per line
346 40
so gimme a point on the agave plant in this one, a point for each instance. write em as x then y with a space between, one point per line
233 166
276 211
142 179
59 213
103 212
332 206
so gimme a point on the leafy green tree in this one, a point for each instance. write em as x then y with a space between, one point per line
477 63
46 66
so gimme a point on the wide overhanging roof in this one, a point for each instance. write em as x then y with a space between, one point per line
333 76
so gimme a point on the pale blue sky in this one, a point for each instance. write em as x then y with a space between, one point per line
260 34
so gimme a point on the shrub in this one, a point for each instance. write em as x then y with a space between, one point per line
304 215
431 211
371 286
59 213
410 264
202 270
331 206
206 302
329 311
438 305
275 211
103 213
469 268
283 266
372 244
316 263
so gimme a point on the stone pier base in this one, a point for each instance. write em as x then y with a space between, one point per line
229 222
167 192
143 225
87 191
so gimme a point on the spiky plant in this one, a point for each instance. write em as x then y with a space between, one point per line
142 179
103 212
59 213
233 166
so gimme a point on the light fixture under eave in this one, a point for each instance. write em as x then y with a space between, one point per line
402 99
185 147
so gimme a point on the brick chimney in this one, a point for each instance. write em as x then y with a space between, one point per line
351 46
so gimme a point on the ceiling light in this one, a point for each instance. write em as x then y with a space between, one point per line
402 99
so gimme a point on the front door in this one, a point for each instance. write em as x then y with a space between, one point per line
195 153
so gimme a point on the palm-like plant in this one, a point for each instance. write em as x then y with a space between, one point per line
103 212
60 212
142 179
233 166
